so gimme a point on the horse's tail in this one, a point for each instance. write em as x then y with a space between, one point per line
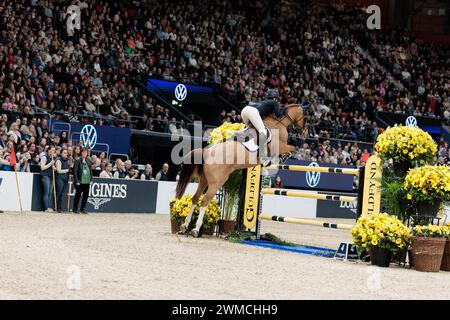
188 169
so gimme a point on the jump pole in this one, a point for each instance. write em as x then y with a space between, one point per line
314 169
289 193
307 222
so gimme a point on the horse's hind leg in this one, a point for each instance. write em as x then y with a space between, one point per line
212 189
202 184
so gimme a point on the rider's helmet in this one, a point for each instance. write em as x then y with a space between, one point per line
272 94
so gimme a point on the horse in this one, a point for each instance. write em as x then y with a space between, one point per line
220 160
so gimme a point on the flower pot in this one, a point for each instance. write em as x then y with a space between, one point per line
380 257
410 258
427 253
208 231
400 256
175 226
227 226
425 208
401 168
445 266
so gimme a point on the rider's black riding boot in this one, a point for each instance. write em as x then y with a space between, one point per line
265 160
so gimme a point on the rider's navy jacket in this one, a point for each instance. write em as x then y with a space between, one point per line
267 107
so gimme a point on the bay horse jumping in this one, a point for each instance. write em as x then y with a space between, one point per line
220 160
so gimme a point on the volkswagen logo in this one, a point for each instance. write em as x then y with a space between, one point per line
312 178
88 136
411 121
180 92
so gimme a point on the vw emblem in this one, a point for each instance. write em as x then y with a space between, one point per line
180 92
411 121
88 136
312 178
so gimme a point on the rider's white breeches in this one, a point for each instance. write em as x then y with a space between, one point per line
251 115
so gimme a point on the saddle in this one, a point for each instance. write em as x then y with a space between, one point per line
249 138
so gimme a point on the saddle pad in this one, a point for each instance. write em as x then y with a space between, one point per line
250 133
250 145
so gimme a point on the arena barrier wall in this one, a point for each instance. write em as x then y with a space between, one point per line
166 191
106 195
110 195
9 197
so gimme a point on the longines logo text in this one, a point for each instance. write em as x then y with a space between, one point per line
108 190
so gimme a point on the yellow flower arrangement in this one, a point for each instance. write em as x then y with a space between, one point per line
406 143
380 231
428 183
224 132
432 231
179 210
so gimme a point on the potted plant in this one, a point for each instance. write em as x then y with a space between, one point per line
212 215
427 187
381 235
179 210
406 146
394 197
445 266
231 193
427 246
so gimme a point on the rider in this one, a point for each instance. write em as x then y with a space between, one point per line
255 112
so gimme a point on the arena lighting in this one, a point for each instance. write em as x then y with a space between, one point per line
176 103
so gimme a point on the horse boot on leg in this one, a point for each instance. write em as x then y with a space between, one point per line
196 231
185 226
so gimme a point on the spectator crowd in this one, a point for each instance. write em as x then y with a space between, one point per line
325 59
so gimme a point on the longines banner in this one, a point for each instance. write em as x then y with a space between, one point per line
110 195
98 138
336 209
316 180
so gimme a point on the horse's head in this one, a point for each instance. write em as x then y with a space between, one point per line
298 118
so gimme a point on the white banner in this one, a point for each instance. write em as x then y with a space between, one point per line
166 191
9 197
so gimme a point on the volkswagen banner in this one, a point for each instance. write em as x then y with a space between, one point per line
315 180
181 92
97 138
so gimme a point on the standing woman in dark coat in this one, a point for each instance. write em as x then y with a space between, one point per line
47 166
62 177
82 175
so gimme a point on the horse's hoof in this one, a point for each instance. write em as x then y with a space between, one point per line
183 229
195 233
